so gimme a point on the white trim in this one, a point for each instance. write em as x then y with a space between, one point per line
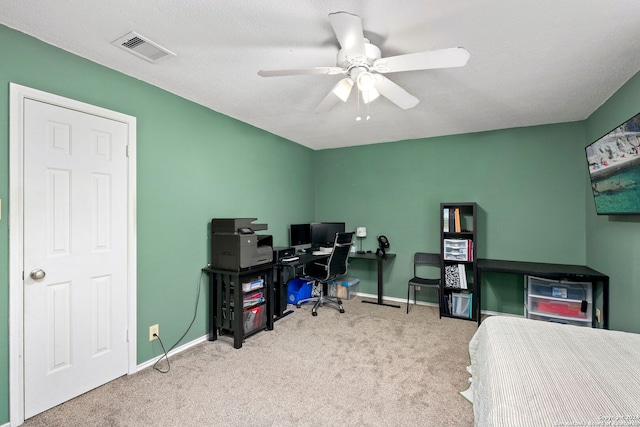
395 299
17 96
173 352
498 313
433 304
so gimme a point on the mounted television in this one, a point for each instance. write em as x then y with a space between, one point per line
614 169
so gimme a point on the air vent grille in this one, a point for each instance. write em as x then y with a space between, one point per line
142 47
133 42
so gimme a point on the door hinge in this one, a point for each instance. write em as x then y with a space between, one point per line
127 334
127 150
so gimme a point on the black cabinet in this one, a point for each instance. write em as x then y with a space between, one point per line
459 285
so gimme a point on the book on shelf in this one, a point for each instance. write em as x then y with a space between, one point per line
458 226
462 272
451 276
446 304
452 220
445 220
455 276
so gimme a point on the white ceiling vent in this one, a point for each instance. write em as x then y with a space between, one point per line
141 46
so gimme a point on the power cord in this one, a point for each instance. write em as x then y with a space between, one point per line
183 335
165 356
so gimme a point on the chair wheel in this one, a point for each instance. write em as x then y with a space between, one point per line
297 305
342 310
314 313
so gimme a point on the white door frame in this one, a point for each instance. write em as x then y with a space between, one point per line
18 94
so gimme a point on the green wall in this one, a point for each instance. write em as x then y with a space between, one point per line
189 171
613 242
528 183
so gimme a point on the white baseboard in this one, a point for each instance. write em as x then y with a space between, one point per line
395 299
433 304
6 425
175 351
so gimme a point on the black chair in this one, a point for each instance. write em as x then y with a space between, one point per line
321 272
421 259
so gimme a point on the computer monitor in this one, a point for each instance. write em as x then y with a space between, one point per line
324 233
300 236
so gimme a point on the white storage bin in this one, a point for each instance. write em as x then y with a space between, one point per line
456 250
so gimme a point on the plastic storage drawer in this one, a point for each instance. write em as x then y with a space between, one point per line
254 319
253 284
558 320
558 308
564 290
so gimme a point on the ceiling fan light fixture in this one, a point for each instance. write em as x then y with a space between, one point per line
343 89
369 95
366 81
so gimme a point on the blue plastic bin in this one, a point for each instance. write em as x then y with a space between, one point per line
298 289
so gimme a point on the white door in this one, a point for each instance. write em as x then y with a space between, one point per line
75 234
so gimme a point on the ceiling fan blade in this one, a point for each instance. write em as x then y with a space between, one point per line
395 93
329 101
443 58
348 29
302 71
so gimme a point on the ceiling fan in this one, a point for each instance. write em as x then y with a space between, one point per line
364 66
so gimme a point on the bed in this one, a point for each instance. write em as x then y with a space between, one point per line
533 373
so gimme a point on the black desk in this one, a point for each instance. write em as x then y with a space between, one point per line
380 261
306 258
578 273
281 291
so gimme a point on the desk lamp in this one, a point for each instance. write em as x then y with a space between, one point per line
361 233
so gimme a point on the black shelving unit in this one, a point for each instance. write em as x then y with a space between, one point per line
227 294
459 287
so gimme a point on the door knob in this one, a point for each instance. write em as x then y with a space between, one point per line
37 274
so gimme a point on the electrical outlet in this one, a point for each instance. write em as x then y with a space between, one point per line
154 329
598 315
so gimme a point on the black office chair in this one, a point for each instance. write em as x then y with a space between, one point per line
321 272
418 281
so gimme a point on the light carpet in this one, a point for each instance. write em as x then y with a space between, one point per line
371 366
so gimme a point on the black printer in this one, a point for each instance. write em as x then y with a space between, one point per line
235 245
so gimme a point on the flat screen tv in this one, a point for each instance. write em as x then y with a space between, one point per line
614 169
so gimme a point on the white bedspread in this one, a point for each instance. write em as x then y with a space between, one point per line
532 373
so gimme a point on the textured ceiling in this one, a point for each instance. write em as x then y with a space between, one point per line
532 62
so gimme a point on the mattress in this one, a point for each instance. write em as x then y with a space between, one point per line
533 373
